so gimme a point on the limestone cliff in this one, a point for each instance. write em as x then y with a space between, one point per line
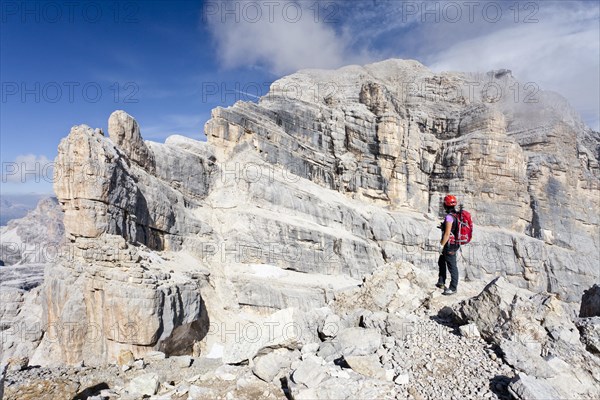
333 173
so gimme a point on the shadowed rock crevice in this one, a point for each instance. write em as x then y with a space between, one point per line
535 230
499 386
91 391
590 302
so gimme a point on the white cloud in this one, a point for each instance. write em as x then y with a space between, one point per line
28 168
559 53
288 36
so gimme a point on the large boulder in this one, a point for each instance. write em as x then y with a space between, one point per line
112 296
504 311
143 385
270 365
392 287
368 365
537 336
287 329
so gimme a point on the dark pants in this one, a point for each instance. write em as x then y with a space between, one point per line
447 260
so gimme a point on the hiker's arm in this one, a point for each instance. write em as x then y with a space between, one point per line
446 236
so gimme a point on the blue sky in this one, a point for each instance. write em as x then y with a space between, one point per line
168 63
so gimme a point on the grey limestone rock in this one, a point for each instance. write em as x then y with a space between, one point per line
469 331
144 385
268 366
3 368
124 131
310 373
368 365
537 336
358 341
294 200
525 360
530 388
355 167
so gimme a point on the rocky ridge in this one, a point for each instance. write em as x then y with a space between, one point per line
35 238
17 206
253 248
471 347
27 246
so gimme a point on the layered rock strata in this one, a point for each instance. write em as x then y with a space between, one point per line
332 174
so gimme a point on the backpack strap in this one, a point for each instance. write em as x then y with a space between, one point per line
455 224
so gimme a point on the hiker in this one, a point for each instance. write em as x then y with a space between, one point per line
447 260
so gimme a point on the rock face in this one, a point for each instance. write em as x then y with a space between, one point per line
35 238
21 309
379 142
331 176
397 135
103 192
124 132
125 300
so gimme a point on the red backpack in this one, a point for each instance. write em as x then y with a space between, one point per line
464 230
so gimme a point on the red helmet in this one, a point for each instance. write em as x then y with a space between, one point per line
450 201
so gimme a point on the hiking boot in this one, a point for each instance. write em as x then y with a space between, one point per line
449 292
440 285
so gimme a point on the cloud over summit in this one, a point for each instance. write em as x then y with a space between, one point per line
554 44
279 36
